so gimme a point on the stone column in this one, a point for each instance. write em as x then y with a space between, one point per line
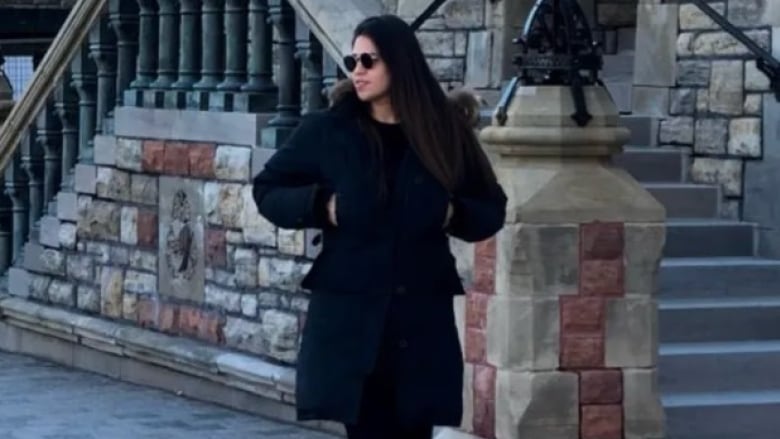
289 78
168 55
561 327
260 90
213 60
189 54
124 17
146 66
102 50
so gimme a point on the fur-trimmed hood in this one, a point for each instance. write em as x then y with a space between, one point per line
465 100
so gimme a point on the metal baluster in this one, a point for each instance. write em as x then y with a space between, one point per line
15 185
168 56
289 79
83 72
49 140
67 108
310 53
124 18
102 49
213 49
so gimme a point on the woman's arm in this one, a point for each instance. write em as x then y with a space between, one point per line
288 191
479 208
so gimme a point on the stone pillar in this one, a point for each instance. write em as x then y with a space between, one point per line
168 55
102 50
260 68
561 327
311 56
124 17
189 54
289 78
212 46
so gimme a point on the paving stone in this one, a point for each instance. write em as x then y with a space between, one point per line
80 405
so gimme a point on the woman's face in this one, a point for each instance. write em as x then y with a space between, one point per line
371 83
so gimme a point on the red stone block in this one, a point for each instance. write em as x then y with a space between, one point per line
581 314
484 419
603 386
582 351
475 345
168 318
153 156
202 159
601 241
601 422
147 228
485 381
216 248
146 313
211 327
189 320
476 310
177 159
485 266
602 278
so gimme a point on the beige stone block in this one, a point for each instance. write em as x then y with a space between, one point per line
643 415
656 40
691 17
467 421
685 44
745 137
631 333
644 243
755 80
726 172
726 87
650 101
523 333
537 405
552 191
537 260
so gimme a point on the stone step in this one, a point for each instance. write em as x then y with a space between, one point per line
687 238
654 165
730 366
693 278
618 67
621 91
687 200
644 129
722 319
723 415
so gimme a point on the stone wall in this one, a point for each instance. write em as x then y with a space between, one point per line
466 41
162 232
715 91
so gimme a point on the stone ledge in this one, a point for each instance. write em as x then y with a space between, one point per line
233 379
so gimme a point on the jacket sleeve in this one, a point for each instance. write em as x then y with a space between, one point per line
286 190
477 214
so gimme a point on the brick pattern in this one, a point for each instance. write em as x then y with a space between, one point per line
583 330
477 299
108 261
715 106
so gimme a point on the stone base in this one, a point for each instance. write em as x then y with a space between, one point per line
139 356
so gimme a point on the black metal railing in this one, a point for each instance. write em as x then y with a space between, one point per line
765 62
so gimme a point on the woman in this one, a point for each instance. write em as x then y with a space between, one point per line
388 173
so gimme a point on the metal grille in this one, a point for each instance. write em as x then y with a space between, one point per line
19 70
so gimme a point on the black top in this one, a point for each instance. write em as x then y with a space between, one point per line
394 146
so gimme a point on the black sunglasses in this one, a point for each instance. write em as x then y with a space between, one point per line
365 59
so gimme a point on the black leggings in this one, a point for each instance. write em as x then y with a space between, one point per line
378 418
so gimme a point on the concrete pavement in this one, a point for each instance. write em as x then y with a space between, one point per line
41 400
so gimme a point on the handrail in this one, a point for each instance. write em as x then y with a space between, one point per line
765 62
426 14
51 68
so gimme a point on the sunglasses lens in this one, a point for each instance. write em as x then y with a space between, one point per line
350 63
366 60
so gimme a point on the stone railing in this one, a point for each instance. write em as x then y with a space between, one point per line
253 56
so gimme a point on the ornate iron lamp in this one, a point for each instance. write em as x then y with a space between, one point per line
556 48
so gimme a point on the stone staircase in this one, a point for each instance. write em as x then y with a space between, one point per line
719 309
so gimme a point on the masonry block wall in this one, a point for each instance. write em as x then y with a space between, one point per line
704 87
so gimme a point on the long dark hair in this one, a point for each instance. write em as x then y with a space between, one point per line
437 128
